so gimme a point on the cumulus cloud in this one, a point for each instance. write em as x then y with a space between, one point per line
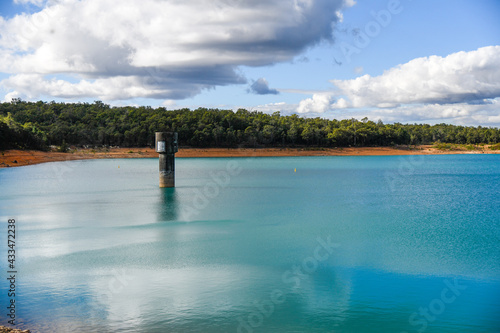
462 86
158 49
457 113
319 103
261 87
458 78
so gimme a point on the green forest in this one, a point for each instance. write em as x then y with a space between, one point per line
38 125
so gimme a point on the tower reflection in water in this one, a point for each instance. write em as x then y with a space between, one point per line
168 207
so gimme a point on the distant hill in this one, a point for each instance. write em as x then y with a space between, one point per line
38 125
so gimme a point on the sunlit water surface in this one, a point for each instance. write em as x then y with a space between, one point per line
311 244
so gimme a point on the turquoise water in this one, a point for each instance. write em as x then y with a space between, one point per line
310 244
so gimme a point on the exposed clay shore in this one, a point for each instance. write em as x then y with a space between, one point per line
13 158
4 329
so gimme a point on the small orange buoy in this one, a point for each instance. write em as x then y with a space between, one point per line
295 170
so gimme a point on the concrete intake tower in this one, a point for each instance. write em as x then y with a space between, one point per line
167 146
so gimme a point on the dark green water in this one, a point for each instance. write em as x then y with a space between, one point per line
342 244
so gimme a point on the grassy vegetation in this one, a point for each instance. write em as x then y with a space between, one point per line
457 147
495 147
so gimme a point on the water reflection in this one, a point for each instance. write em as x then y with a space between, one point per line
95 255
168 210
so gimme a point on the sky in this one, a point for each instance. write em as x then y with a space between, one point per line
409 61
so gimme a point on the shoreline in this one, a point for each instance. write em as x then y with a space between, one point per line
14 158
5 329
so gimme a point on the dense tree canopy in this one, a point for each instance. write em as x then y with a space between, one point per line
15 135
40 124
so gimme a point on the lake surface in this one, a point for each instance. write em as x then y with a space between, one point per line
309 244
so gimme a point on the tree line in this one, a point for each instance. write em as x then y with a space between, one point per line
38 125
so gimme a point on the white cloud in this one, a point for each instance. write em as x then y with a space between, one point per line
283 107
458 78
109 88
462 87
10 96
457 113
169 103
319 103
164 49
